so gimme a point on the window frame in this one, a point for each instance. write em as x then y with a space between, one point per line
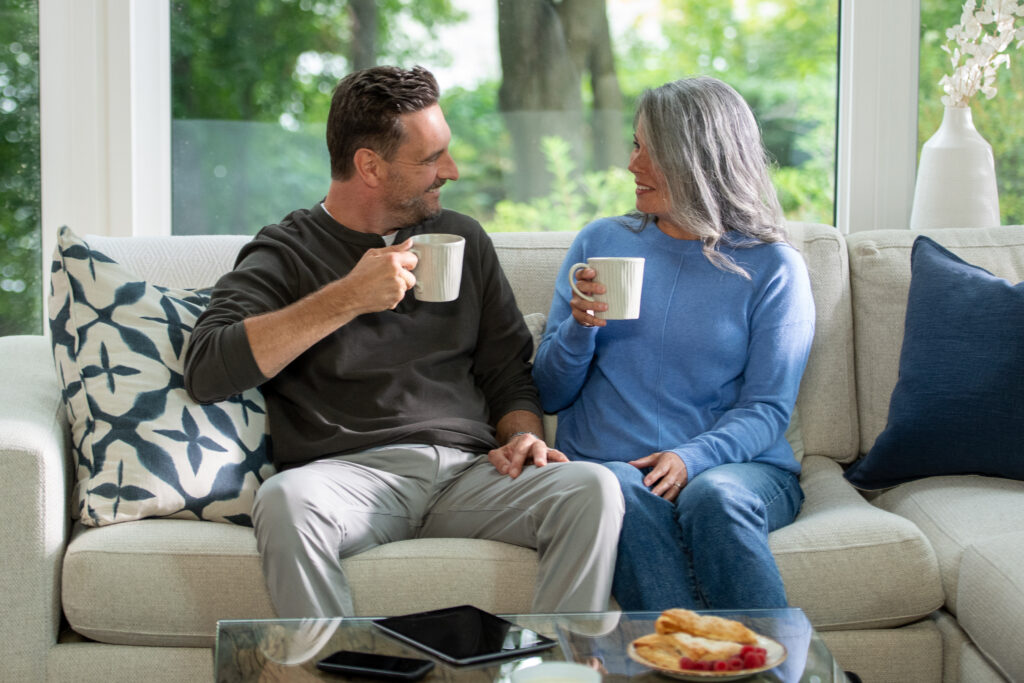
106 166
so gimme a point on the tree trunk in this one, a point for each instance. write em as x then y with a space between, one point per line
363 48
540 89
590 44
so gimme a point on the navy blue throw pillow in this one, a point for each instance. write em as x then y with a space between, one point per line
958 406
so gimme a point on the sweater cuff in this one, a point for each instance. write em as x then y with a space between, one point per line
575 338
695 460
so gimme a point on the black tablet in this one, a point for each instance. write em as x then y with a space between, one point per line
464 634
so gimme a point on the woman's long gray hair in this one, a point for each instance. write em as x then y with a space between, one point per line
703 138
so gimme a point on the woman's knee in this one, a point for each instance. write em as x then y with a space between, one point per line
720 500
711 491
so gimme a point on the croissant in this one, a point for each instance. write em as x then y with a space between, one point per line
705 626
666 649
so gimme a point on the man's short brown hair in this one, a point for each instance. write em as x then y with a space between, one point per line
365 108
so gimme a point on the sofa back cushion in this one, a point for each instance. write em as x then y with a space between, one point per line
880 284
827 399
181 261
531 261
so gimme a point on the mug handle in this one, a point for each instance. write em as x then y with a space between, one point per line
572 281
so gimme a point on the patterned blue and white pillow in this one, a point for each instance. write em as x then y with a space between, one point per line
142 446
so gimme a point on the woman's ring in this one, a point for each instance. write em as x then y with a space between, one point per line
678 485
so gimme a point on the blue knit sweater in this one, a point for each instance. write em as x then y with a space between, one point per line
709 371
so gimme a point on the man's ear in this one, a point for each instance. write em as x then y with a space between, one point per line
369 166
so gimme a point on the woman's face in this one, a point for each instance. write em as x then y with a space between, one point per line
651 194
652 188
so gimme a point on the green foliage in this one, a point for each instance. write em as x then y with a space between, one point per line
251 82
21 264
998 120
782 57
574 200
480 146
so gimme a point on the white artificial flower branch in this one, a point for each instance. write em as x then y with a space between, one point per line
976 53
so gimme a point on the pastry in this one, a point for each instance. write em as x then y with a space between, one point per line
705 626
666 649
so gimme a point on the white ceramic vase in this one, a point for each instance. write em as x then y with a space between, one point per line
956 177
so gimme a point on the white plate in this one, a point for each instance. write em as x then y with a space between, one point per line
775 654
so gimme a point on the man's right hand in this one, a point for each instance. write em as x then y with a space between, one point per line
378 282
380 279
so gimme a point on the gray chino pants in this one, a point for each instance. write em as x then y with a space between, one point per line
307 518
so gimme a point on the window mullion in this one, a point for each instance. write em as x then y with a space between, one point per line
877 155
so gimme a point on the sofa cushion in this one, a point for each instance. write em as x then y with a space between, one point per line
958 406
531 262
142 447
850 565
880 283
990 600
167 581
955 513
827 399
535 323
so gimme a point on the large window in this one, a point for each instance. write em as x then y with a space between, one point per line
998 119
20 297
539 96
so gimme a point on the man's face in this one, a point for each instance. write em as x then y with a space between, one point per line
420 167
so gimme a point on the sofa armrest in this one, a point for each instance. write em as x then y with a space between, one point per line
849 564
34 505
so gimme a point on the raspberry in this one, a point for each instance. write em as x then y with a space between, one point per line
753 660
720 665
686 663
735 663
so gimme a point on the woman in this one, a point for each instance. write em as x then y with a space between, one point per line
688 405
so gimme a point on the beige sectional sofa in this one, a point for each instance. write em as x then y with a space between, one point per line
920 583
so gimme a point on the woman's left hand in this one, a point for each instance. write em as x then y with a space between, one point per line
667 476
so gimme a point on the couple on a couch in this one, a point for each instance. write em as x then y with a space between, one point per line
382 406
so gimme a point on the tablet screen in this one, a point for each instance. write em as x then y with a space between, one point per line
464 634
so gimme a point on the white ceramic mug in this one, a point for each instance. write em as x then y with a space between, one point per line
553 672
439 268
623 280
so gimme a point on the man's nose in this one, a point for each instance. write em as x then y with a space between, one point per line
447 168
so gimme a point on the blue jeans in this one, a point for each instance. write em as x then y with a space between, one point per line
708 549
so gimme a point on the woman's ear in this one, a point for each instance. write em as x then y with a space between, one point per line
369 166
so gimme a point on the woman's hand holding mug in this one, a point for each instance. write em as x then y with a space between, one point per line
616 296
583 310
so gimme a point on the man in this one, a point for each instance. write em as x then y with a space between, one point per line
382 407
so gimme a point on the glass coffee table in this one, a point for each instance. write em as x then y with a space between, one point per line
288 649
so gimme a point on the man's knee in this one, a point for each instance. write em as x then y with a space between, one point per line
270 497
596 487
281 509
